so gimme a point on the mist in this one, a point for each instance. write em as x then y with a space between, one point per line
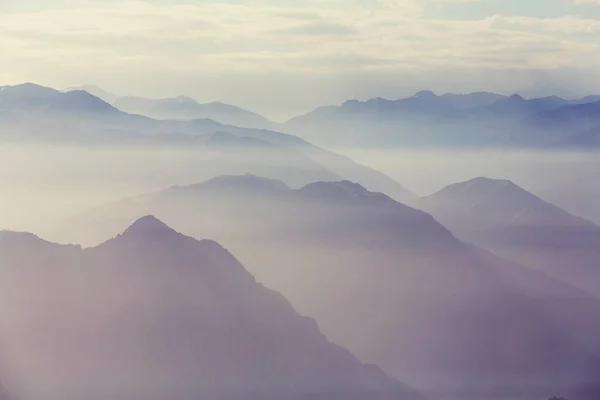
42 185
300 200
373 255
565 178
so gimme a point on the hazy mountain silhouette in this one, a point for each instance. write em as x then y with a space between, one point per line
30 97
472 100
391 284
96 91
571 119
155 314
181 107
587 99
225 153
188 109
102 124
585 139
516 224
517 105
425 119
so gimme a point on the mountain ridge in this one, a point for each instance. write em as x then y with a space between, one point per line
167 328
471 120
117 128
369 270
522 227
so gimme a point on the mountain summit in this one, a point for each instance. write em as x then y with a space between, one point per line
393 285
148 226
168 318
520 226
496 203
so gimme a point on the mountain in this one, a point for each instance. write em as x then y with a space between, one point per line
225 153
518 225
587 99
155 314
391 284
472 100
586 139
571 119
180 108
99 124
30 97
186 108
338 164
427 120
516 104
95 91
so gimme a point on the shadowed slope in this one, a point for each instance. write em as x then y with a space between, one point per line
394 286
518 225
155 314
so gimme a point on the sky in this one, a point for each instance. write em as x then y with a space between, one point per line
284 57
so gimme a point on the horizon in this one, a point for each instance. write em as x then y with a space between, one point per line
323 53
91 88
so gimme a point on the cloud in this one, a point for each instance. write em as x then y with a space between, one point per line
320 28
232 50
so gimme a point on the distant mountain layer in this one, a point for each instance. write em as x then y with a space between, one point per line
182 108
516 224
155 314
31 97
473 120
37 114
186 108
389 283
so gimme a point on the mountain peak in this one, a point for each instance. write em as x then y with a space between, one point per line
516 97
185 99
95 91
483 185
424 94
247 182
148 226
29 89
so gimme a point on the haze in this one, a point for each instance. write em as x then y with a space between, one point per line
42 185
282 58
300 200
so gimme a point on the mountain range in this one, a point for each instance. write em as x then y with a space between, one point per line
474 120
182 108
518 225
34 114
389 283
155 314
480 119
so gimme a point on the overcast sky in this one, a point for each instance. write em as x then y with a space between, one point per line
283 57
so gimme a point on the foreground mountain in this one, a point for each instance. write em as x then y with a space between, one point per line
35 114
155 314
392 285
472 120
519 225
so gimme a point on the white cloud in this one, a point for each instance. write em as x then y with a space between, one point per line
256 43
